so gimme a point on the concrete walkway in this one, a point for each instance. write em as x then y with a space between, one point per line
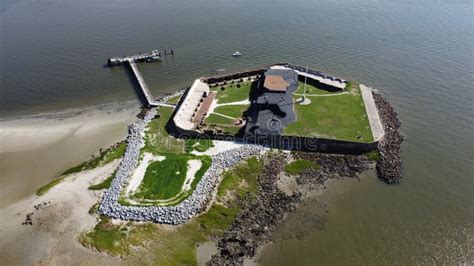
320 95
372 113
226 116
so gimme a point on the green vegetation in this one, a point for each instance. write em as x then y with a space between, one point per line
373 155
115 239
104 158
299 166
174 99
218 119
246 173
180 243
94 209
310 89
232 93
157 139
164 179
234 111
337 117
348 86
104 184
42 190
199 145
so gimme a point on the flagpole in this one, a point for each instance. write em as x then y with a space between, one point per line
305 79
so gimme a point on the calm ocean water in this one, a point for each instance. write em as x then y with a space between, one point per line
420 55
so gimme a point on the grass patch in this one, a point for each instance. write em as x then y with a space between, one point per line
157 139
164 179
218 119
199 145
115 239
94 209
373 155
310 89
174 99
42 190
232 93
235 111
104 184
247 172
339 117
104 158
299 166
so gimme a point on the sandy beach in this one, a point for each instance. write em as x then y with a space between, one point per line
58 218
32 149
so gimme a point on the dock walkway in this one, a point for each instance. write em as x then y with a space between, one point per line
150 101
131 61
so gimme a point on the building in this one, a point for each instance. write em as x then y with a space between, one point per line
271 108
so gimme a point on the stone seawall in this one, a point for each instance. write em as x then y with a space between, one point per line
185 210
389 166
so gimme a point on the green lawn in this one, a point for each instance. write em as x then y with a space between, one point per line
310 89
164 179
232 93
224 123
218 119
299 166
338 117
199 145
232 110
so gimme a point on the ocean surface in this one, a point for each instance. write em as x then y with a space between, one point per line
419 54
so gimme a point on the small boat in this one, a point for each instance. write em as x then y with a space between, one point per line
154 58
236 54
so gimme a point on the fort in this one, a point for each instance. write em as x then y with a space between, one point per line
182 144
284 106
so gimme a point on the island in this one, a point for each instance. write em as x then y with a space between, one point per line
211 164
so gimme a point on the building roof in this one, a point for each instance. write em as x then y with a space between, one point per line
275 83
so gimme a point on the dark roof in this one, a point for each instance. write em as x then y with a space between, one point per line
270 111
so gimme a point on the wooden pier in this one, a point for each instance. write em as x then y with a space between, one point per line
131 62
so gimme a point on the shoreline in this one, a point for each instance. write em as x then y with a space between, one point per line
257 224
32 150
251 231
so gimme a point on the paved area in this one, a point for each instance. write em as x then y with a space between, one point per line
372 113
184 116
204 108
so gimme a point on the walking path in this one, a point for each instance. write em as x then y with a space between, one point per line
320 95
233 118
372 113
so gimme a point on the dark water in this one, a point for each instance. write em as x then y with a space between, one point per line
418 53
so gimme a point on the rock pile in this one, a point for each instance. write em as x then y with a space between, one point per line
182 212
258 219
39 206
331 165
389 165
